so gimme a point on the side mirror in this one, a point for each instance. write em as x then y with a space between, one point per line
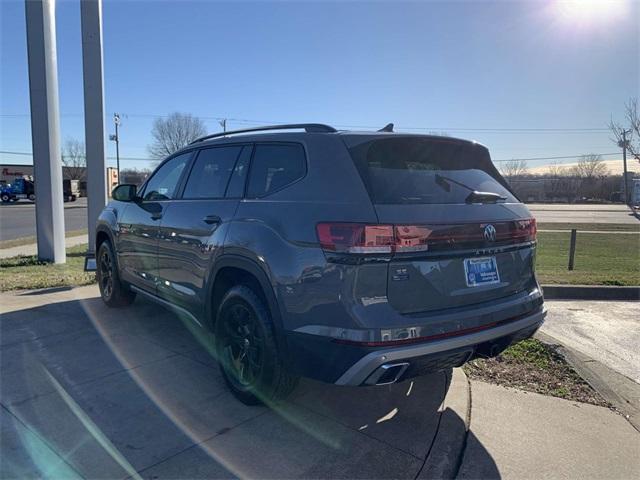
125 193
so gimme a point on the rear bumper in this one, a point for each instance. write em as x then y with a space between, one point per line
320 358
456 349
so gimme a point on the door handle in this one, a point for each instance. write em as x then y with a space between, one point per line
212 219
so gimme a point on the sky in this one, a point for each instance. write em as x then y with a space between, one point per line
527 79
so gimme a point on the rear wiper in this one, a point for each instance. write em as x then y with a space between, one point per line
474 196
483 197
444 183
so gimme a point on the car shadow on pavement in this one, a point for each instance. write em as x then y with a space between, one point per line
95 392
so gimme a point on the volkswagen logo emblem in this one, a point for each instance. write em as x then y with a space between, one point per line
490 233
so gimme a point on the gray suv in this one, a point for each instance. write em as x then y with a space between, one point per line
355 258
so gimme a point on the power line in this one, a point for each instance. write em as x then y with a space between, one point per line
368 127
556 158
29 154
533 159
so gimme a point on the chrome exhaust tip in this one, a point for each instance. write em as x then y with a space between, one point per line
387 374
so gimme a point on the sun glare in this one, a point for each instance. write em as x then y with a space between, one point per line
590 11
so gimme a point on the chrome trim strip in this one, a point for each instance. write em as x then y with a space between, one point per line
359 372
166 304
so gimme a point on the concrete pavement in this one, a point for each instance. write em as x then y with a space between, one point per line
528 435
93 392
574 213
88 391
608 332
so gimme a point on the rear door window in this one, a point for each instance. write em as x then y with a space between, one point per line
407 170
275 166
211 172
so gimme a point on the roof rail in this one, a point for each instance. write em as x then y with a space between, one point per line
308 127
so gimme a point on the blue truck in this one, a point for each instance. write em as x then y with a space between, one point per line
23 188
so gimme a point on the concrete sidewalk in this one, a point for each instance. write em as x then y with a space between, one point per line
517 435
88 391
32 248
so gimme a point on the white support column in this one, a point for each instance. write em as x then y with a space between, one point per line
91 15
45 131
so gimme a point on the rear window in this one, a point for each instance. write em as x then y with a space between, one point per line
424 170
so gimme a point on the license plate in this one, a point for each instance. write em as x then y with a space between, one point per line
481 271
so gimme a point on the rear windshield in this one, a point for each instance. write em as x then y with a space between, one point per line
425 170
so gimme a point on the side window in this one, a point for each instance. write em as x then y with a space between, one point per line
163 183
275 166
211 172
235 189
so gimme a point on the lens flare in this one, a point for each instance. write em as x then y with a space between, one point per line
587 12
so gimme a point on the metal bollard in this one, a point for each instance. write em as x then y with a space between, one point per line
572 248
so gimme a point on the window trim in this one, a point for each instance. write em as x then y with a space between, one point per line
253 153
179 185
252 148
183 186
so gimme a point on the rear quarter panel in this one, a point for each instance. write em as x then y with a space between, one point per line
279 233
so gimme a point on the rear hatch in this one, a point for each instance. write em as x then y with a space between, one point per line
459 234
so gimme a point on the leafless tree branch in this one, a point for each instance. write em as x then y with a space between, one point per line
173 133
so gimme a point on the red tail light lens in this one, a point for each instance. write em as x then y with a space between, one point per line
355 237
363 239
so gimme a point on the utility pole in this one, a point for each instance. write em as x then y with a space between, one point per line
116 138
45 129
623 144
223 124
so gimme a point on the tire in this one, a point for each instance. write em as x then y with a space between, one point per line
247 350
113 292
32 197
5 198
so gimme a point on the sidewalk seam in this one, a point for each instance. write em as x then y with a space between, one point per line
463 450
43 440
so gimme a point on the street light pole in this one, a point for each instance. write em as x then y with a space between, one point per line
223 124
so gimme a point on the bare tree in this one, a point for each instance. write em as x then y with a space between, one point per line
514 168
74 158
590 166
556 170
631 124
134 175
174 132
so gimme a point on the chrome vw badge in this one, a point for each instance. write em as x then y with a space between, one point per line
490 233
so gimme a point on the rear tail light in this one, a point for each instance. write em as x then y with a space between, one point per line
360 238
355 237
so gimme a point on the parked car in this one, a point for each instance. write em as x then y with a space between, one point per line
355 258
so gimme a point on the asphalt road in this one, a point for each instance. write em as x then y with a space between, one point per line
608 332
18 220
570 213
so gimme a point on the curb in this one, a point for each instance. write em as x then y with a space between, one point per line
590 292
448 447
621 392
